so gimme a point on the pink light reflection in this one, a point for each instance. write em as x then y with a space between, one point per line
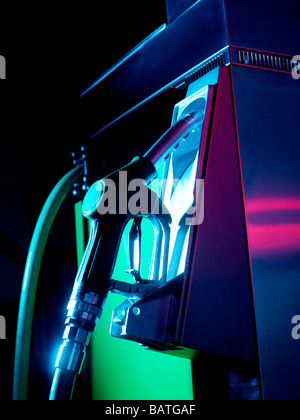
273 239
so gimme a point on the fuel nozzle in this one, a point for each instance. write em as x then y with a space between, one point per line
94 277
164 146
93 280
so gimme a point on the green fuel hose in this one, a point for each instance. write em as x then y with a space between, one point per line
31 276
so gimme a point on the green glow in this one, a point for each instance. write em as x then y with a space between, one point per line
79 225
123 370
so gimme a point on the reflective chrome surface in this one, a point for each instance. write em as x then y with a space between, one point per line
267 107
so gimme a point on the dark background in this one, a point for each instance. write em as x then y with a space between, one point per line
52 53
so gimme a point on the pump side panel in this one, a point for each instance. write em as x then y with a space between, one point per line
267 108
219 314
